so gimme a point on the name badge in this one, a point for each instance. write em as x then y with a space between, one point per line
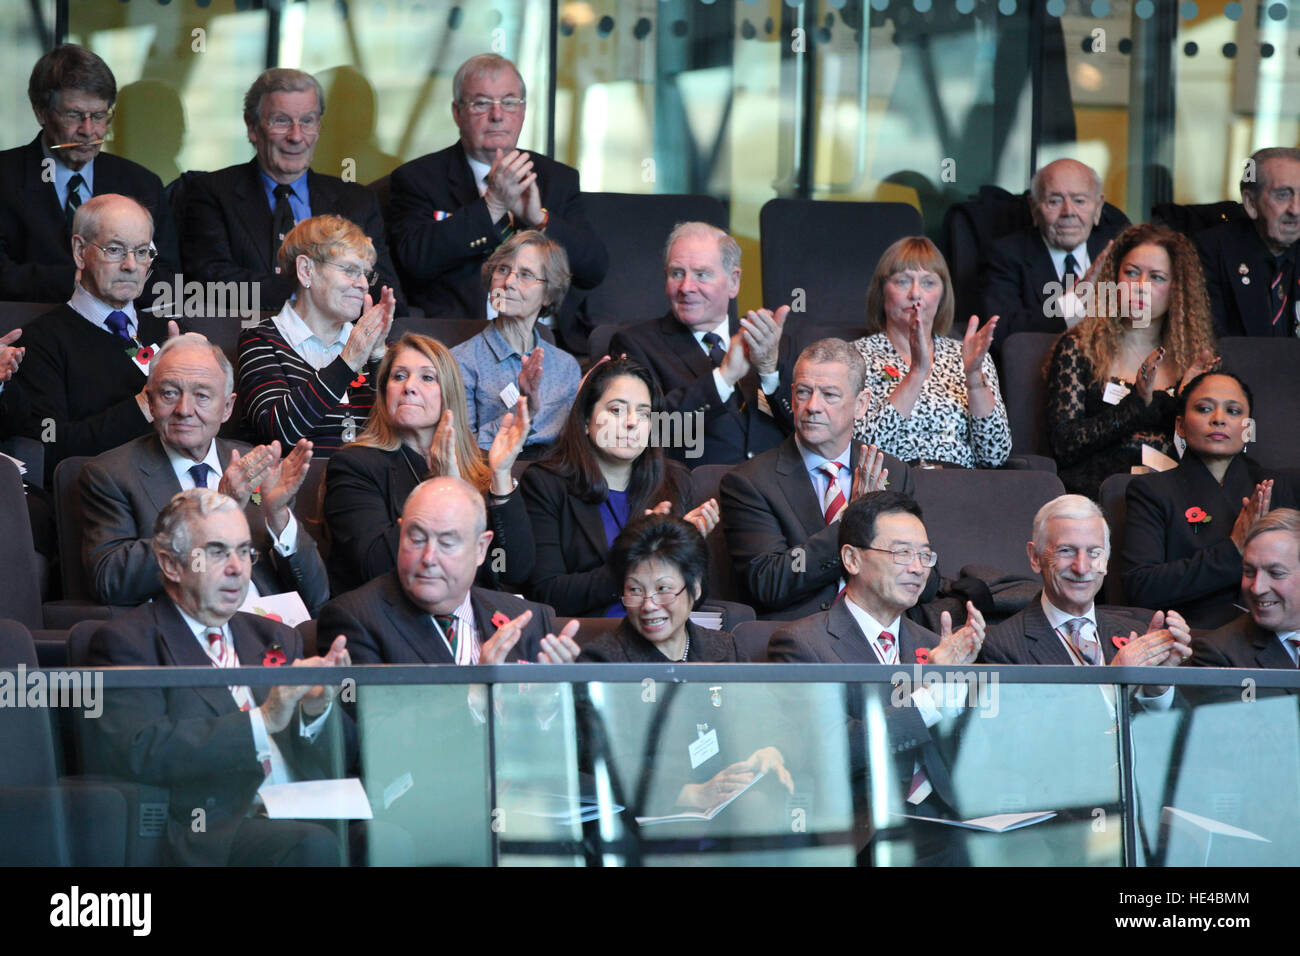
1114 393
510 395
704 747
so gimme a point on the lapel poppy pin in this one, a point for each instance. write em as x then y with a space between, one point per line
1119 641
1196 517
359 380
144 356
257 496
274 656
923 655
500 620
893 372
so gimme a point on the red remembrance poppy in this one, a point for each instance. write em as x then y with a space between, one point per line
500 620
359 380
1195 515
923 655
1119 641
273 657
892 371
144 356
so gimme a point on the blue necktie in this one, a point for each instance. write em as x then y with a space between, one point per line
117 324
199 473
716 352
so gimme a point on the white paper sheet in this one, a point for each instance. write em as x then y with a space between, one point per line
287 607
316 800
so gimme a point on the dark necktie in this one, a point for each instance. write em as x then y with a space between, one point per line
199 473
117 324
75 184
716 352
1279 297
447 624
1071 270
281 219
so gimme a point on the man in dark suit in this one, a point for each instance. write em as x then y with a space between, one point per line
427 610
85 364
1030 275
1269 634
190 391
1070 549
236 218
72 93
727 373
215 747
779 511
449 210
1250 264
885 553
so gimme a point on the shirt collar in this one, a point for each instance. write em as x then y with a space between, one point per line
480 171
503 349
298 187
182 465
1080 253
1057 618
296 331
62 174
1284 637
871 628
198 629
92 309
722 330
814 462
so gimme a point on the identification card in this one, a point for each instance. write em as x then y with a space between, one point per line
704 747
1114 393
510 395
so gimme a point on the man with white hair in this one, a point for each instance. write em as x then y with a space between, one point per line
1070 550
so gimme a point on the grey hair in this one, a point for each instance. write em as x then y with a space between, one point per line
479 65
838 350
727 247
1259 157
197 340
1036 184
279 80
85 223
453 484
1074 507
171 529
1279 519
555 265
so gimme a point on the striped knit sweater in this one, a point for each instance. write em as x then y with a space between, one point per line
286 399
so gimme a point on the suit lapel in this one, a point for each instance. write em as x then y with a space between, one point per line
156 474
589 520
182 649
413 626
847 642
255 214
483 610
1269 651
1041 640
912 638
460 178
1253 298
797 487
42 196
693 359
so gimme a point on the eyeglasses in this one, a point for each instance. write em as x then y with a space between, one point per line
662 597
353 273
216 555
482 104
77 117
116 252
526 276
905 556
279 123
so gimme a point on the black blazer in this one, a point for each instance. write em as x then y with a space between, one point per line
35 246
1240 643
1194 569
785 556
626 646
685 374
81 385
383 626
365 491
1027 638
227 235
1018 270
1242 301
570 570
440 258
194 739
122 493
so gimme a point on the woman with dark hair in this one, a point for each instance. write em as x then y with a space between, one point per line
1185 529
934 401
1113 377
416 431
663 563
601 472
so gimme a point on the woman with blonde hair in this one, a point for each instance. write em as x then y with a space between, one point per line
417 431
1113 379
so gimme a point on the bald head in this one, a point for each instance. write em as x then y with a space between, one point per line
1066 202
443 542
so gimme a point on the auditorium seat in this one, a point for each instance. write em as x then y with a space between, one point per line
1268 366
722 576
1023 376
1114 504
20 599
752 637
309 505
15 315
450 332
598 341
982 517
829 250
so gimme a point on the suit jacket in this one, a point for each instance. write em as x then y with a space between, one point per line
785 555
440 258
365 491
1242 301
383 626
227 235
1027 638
685 374
122 492
571 571
1019 267
1240 643
1194 569
626 646
80 384
195 740
35 246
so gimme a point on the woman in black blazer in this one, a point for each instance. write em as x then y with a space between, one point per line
417 431
602 470
1186 528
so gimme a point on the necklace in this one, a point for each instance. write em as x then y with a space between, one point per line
686 652
406 457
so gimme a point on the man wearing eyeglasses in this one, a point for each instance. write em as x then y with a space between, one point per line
72 92
451 209
216 747
236 218
191 393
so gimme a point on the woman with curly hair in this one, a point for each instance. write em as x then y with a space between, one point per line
1113 378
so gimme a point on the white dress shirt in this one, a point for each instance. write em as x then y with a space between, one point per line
1072 306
